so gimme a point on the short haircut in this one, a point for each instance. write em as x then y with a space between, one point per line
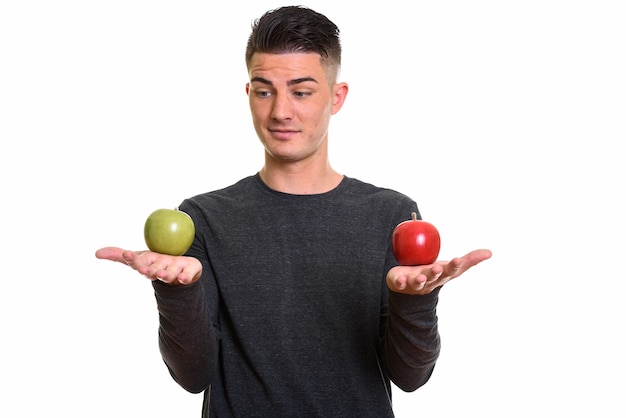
292 29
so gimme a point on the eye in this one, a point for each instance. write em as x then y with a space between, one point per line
262 93
301 94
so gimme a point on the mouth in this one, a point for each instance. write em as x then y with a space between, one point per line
282 133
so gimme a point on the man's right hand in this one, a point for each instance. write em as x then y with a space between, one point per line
173 270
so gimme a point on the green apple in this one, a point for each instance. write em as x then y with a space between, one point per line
169 231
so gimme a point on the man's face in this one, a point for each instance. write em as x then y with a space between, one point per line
292 100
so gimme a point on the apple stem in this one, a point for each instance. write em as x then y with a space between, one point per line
414 216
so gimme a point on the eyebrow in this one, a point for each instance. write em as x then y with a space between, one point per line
289 83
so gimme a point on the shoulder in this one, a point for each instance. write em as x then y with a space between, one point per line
244 193
360 188
376 199
242 187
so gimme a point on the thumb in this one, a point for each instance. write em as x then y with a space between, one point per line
112 254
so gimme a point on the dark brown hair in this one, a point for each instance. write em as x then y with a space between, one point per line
296 29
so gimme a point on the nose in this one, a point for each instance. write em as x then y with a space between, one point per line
281 107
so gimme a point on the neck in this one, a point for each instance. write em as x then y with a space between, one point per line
299 179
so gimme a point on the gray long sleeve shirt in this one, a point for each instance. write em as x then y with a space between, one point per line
292 316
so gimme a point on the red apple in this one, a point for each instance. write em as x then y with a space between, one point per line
415 242
169 231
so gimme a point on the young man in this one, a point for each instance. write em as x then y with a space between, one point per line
290 302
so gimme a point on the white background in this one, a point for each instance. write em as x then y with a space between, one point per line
504 120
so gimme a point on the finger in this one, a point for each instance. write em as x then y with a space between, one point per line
174 271
184 277
164 276
477 256
471 259
454 267
418 282
110 253
128 257
396 283
436 270
187 274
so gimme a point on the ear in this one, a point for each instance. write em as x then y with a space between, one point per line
340 91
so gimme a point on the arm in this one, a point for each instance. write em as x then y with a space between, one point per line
412 340
411 345
187 338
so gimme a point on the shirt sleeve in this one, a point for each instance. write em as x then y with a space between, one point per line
411 342
187 339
